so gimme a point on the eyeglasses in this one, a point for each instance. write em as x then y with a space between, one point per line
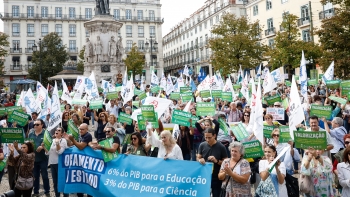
37 124
246 115
134 138
275 135
277 105
347 142
247 106
107 131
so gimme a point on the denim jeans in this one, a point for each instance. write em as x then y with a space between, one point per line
195 150
41 167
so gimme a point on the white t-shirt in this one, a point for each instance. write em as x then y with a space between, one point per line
282 189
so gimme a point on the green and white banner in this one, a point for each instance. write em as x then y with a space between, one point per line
107 156
307 139
205 93
223 126
253 149
272 99
175 95
216 93
96 104
125 118
321 111
205 109
112 95
239 131
180 117
73 130
185 89
187 96
19 117
227 96
284 134
47 140
338 99
10 135
267 129
148 113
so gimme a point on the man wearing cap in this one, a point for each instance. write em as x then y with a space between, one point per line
286 118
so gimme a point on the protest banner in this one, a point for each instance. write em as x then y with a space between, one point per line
187 96
175 96
9 110
125 118
129 176
312 82
194 119
136 103
253 149
73 130
236 86
338 99
141 122
321 111
277 113
345 91
223 126
217 93
47 140
185 89
306 139
314 74
333 84
112 95
19 117
148 113
155 89
3 111
272 99
3 164
10 135
205 109
284 134
107 156
267 129
79 102
96 104
137 91
205 93
227 96
288 83
239 131
127 139
182 118
142 96
345 83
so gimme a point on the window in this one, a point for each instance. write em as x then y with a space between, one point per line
88 13
30 44
128 31
255 10
211 22
15 45
151 15
44 12
217 18
15 29
271 43
141 45
195 30
128 45
58 29
306 35
305 13
87 33
44 29
128 14
71 12
140 31
200 27
73 46
30 11
15 11
205 24
30 29
116 14
270 23
72 30
139 14
58 12
268 4
152 31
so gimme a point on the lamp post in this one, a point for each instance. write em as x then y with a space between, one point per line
155 47
41 48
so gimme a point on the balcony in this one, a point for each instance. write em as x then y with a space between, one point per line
73 50
155 64
141 35
270 32
29 50
72 34
139 19
326 13
30 34
59 34
15 50
128 34
28 66
16 34
303 21
16 67
62 17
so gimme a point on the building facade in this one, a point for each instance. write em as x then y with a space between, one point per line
186 43
27 21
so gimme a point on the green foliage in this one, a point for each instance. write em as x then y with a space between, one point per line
80 65
235 43
52 60
288 46
4 43
334 37
134 61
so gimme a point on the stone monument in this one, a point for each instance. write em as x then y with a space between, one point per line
103 49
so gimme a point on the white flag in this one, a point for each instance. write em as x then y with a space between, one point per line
259 72
125 78
169 86
277 76
214 83
80 80
329 74
176 132
91 87
269 83
219 78
154 79
186 71
46 108
266 69
41 93
245 88
258 117
65 93
252 103
187 107
21 97
295 108
56 114
229 88
29 102
205 84
142 88
128 90
79 93
163 81
180 82
303 77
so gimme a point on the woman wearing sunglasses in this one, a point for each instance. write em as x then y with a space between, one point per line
136 146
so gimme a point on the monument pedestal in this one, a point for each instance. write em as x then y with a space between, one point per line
103 49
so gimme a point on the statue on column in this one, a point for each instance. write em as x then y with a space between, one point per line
89 51
98 50
102 7
112 50
120 50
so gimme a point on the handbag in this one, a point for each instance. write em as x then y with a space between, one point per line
23 183
267 188
223 189
305 185
292 185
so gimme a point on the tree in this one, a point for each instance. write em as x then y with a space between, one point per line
4 43
235 43
80 65
134 61
334 37
287 48
52 60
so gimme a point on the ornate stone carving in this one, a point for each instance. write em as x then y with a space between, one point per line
120 50
112 50
98 50
89 51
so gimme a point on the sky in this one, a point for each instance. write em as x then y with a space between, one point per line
173 11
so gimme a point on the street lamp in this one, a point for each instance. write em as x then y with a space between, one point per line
155 47
42 48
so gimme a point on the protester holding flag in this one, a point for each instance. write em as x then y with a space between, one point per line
101 120
57 147
24 163
136 146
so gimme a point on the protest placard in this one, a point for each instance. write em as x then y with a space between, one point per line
19 117
227 96
187 96
125 118
47 140
185 89
180 117
175 95
136 103
223 126
321 111
277 113
284 134
137 91
267 129
333 84
285 103
205 109
155 89
9 110
216 93
148 113
194 119
96 104
112 95
142 96
141 122
288 83
253 149
306 139
79 102
107 156
345 91
239 131
312 82
236 86
338 99
10 135
205 93
73 130
3 111
272 99
3 163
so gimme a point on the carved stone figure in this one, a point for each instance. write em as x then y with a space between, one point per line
89 51
112 50
98 50
120 50
102 7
